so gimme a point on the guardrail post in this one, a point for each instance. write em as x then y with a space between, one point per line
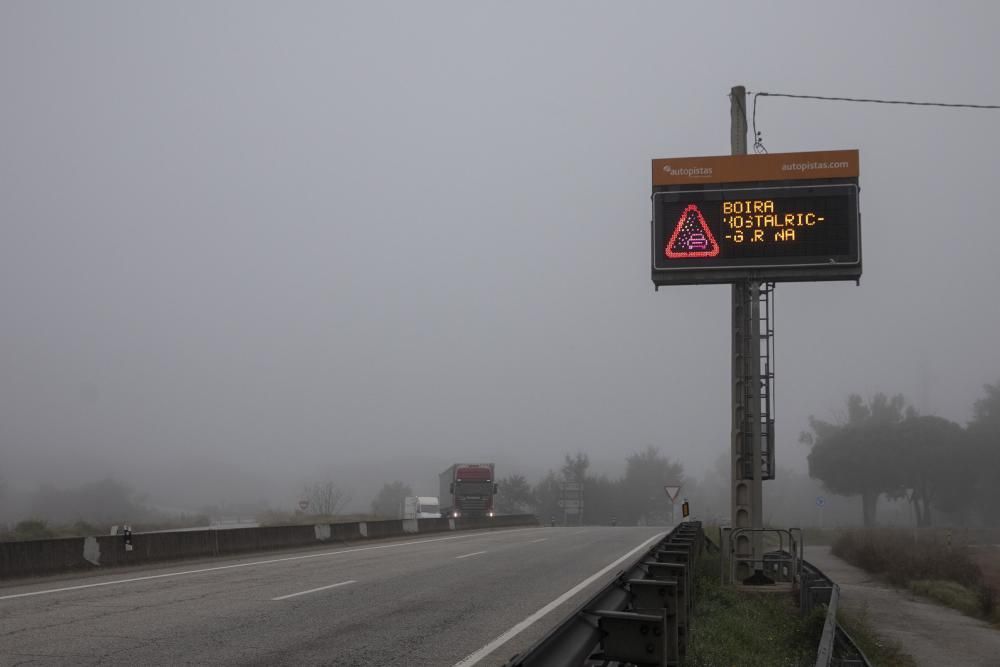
677 573
649 596
681 556
805 602
640 639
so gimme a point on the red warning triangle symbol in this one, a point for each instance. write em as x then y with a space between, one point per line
691 237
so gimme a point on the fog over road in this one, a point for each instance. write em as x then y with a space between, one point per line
427 601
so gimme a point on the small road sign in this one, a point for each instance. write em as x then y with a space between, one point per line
303 504
820 501
672 491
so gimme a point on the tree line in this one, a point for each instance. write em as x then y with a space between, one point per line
637 497
884 447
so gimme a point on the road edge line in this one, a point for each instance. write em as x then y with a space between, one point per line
520 627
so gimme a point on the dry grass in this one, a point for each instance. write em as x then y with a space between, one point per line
988 560
901 558
879 651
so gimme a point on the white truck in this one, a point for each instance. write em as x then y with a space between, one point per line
421 507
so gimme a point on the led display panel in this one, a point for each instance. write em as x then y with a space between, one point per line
774 233
787 226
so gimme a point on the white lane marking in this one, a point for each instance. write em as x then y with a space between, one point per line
250 564
476 656
540 539
313 590
474 553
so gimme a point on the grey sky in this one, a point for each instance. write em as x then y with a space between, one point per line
301 237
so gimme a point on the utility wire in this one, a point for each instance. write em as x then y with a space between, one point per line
874 101
758 144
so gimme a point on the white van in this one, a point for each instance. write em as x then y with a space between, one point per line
421 507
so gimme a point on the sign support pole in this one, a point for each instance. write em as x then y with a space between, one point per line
747 479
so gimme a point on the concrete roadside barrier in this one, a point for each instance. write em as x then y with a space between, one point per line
68 554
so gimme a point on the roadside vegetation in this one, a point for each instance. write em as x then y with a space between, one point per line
753 629
946 472
40 529
748 629
927 564
819 536
91 509
635 498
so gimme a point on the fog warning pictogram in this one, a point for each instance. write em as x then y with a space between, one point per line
691 237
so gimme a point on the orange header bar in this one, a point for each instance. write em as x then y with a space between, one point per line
764 167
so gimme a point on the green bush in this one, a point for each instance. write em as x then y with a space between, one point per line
950 594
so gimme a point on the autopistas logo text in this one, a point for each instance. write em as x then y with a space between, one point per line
810 166
687 171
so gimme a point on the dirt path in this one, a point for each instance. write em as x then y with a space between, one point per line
932 634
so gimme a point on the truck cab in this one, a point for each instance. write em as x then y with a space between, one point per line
468 490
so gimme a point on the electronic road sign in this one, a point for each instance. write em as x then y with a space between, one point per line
779 226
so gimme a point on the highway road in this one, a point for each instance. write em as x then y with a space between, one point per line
466 598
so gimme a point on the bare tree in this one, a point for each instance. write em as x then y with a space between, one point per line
389 501
326 498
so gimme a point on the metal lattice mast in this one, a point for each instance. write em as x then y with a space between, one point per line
747 503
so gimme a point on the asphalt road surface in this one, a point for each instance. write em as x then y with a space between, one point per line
466 598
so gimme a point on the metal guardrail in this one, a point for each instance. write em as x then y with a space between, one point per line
836 646
643 616
640 618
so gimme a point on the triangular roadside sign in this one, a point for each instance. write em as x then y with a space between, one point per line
691 237
672 491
